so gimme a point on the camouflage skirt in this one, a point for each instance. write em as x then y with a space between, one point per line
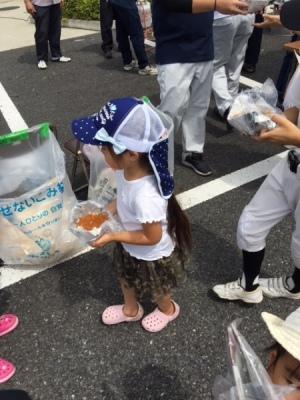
149 278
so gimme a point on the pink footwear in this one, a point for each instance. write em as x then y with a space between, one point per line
7 370
114 315
157 320
8 322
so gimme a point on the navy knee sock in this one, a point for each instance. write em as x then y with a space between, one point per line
252 265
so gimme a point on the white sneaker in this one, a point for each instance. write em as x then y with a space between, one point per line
274 288
131 66
234 291
148 70
61 59
42 64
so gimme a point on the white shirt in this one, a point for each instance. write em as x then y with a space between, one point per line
45 3
292 95
138 202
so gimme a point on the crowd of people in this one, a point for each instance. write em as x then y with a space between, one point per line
200 50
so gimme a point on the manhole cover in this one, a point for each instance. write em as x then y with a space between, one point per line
9 8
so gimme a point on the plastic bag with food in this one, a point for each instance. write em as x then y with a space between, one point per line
89 221
251 109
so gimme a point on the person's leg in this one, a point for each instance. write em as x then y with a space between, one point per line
174 81
106 22
136 34
267 208
223 39
55 30
193 122
244 28
42 19
253 47
122 34
130 308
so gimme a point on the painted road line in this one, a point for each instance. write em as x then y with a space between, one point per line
10 113
226 183
14 273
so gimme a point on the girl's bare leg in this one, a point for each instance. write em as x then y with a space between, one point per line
130 308
165 304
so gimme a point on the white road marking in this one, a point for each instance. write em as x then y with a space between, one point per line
188 199
10 113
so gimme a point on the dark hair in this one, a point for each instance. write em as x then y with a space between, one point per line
179 227
280 352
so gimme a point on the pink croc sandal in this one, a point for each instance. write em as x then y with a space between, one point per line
7 370
114 315
157 320
8 322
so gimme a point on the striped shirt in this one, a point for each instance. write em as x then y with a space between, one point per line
45 3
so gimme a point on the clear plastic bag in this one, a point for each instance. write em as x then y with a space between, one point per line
89 207
102 182
247 379
35 199
251 108
255 6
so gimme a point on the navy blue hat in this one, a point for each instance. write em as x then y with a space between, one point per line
130 124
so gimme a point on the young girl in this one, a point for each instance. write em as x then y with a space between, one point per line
150 252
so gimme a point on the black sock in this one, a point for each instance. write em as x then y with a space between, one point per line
292 283
252 266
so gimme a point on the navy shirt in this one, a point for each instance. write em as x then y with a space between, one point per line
182 37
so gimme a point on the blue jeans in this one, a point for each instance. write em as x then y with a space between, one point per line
128 25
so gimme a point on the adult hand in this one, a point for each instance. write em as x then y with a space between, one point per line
232 7
62 2
293 396
270 21
285 132
30 7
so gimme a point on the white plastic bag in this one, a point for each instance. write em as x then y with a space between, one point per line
250 110
247 378
102 182
255 6
35 199
85 208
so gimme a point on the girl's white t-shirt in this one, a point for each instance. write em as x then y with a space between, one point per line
138 202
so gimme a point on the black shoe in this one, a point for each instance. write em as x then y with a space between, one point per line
108 54
197 163
249 69
223 118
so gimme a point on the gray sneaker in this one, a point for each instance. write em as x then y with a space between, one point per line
275 288
131 66
197 163
148 70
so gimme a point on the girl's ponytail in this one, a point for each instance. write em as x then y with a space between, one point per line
179 227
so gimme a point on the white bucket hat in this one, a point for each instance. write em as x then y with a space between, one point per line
285 332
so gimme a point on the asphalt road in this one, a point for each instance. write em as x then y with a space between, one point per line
61 350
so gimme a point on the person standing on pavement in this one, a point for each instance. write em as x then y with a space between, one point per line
47 18
128 25
231 34
184 56
106 22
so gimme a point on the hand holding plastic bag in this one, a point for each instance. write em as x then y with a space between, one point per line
251 109
89 221
247 378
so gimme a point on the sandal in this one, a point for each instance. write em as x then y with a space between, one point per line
7 370
8 322
114 315
157 320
